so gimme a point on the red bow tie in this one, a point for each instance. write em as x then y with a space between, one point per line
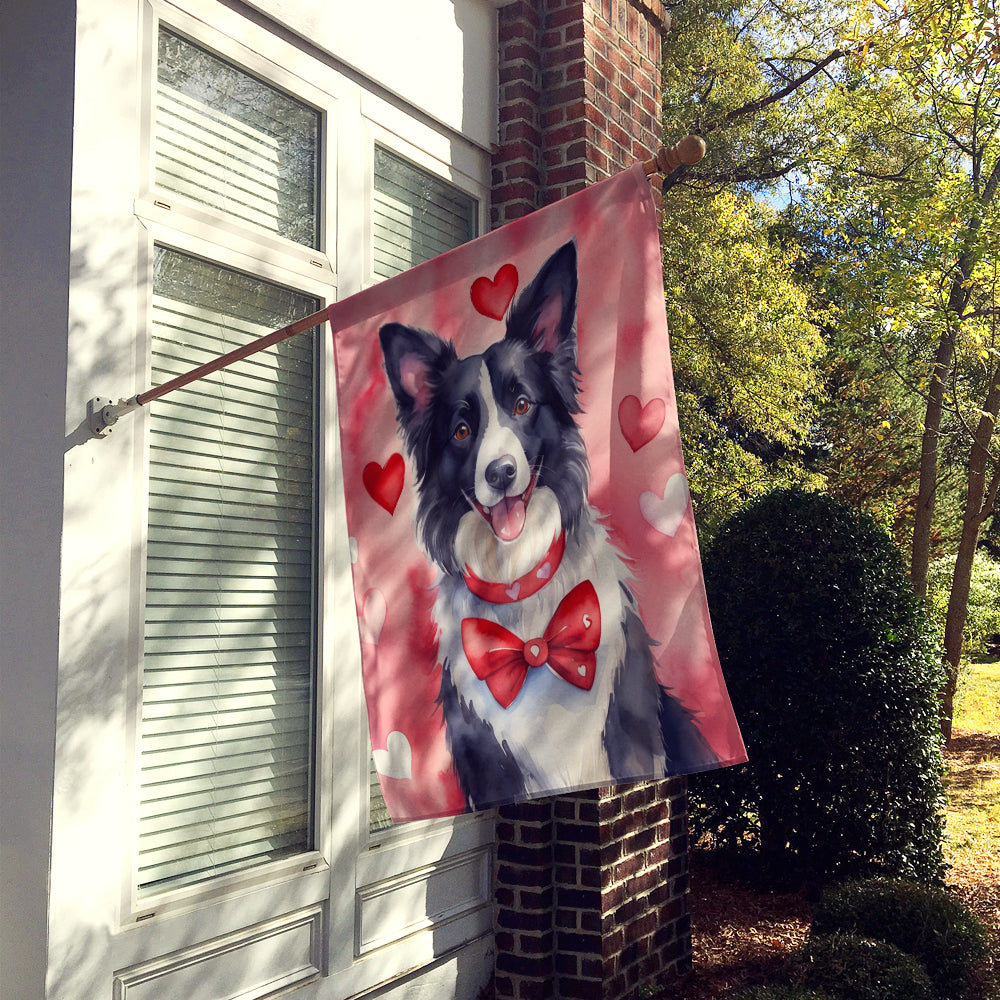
567 646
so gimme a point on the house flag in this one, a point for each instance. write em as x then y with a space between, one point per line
526 574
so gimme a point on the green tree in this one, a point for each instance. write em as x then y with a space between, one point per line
912 192
747 357
869 421
982 620
746 76
880 123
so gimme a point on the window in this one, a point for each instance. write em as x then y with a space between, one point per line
228 679
229 646
415 216
252 804
227 140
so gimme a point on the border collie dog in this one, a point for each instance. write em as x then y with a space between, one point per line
539 639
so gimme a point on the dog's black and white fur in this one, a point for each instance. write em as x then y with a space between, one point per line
501 471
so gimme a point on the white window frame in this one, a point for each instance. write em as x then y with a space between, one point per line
351 876
181 224
196 244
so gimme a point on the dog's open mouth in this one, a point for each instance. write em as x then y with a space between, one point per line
507 516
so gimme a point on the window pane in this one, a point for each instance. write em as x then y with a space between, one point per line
416 216
228 140
228 656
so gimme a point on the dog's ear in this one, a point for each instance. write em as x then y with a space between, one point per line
414 362
545 311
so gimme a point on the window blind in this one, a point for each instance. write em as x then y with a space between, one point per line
415 216
228 653
228 140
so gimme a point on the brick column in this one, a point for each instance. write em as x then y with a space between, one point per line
579 96
591 889
591 893
517 160
524 901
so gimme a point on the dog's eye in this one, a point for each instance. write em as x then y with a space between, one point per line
462 431
521 405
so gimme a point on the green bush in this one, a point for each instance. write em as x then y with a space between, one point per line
856 968
925 922
833 672
982 618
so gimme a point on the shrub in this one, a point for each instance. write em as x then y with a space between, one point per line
982 620
856 968
925 922
833 672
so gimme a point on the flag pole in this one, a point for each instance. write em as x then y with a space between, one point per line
687 152
103 413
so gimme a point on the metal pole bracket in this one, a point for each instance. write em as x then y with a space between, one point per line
103 413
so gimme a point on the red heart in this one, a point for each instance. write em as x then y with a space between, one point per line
384 485
491 298
640 424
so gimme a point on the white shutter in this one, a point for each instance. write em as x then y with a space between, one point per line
228 660
415 216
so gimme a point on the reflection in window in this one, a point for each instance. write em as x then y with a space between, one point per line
225 139
416 215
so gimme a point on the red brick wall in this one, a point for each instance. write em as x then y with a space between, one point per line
591 889
591 893
579 96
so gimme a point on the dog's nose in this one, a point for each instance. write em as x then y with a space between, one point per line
500 472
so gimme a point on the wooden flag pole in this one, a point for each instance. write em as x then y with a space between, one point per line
687 152
103 413
260 344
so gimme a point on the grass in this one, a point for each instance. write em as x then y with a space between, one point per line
978 698
973 782
972 848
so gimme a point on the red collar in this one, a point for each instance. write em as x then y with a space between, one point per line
523 586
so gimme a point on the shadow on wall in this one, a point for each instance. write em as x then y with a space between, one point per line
473 975
95 702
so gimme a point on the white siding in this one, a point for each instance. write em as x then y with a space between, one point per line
437 55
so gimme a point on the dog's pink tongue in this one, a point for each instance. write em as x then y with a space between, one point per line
507 518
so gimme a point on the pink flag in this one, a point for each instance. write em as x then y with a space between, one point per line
526 571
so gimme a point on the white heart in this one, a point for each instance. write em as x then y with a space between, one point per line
372 616
544 572
534 650
513 591
665 513
353 543
586 621
396 761
582 670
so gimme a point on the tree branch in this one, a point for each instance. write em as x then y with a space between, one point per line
899 176
753 107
